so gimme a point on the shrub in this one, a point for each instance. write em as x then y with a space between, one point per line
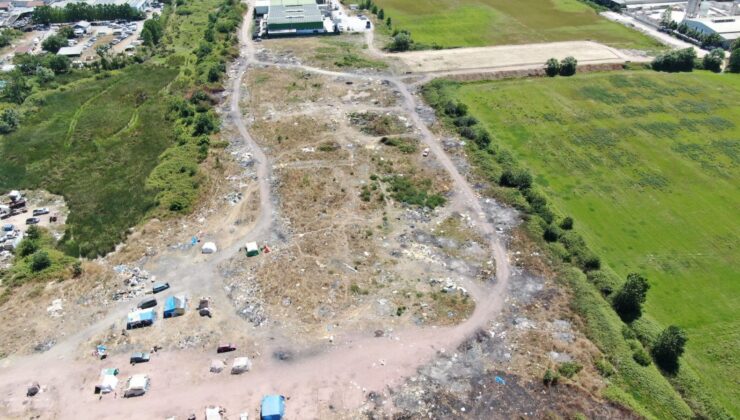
482 139
641 357
551 234
9 120
628 301
604 368
465 121
567 223
734 65
713 61
26 247
550 378
401 42
40 261
467 132
552 67
569 369
668 347
455 109
675 61
568 66
521 179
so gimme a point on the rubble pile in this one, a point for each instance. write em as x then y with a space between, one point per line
135 281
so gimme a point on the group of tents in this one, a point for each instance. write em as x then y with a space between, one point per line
135 386
173 306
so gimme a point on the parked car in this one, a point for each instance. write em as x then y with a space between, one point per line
225 348
8 228
425 153
32 220
139 357
147 303
41 211
160 287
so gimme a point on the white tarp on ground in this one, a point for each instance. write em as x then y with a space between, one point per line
209 248
217 365
241 365
137 385
213 413
108 384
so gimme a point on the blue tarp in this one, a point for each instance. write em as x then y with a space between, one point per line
169 305
273 407
147 315
174 306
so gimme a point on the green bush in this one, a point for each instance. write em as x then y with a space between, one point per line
569 369
39 261
550 378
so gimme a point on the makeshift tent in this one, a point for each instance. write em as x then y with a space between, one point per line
209 248
273 407
252 249
174 306
109 371
108 383
241 365
214 413
137 385
14 195
141 318
217 365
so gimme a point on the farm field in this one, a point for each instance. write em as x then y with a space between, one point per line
94 141
477 23
648 166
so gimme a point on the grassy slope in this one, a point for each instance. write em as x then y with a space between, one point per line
471 23
94 142
647 164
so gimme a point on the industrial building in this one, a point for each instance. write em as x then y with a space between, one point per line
294 17
727 27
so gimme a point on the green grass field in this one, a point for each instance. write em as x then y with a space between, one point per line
475 23
648 165
94 141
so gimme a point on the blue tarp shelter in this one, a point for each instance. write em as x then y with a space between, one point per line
273 407
174 306
140 318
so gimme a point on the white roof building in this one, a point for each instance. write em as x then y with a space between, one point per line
727 27
75 51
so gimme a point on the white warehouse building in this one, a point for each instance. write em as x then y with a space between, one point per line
727 27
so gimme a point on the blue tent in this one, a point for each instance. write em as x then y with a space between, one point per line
273 407
174 306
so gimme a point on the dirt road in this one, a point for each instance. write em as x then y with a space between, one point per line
339 375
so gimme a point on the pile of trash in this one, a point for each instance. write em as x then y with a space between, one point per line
135 280
245 295
234 197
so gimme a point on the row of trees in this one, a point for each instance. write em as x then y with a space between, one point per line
686 60
706 40
566 67
734 65
74 12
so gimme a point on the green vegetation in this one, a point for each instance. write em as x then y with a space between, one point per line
7 35
569 369
414 192
473 23
404 145
74 12
37 257
121 145
645 163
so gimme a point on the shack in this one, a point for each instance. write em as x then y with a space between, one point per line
140 318
273 407
137 385
209 248
241 365
252 249
174 306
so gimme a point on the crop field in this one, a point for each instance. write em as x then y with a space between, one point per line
94 141
648 166
477 23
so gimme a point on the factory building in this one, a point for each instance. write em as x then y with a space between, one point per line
294 17
727 27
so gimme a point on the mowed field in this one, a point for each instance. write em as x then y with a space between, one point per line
648 164
94 141
477 23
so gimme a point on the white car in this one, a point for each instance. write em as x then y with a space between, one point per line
425 153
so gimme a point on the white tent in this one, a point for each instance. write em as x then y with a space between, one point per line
108 384
217 365
252 249
137 385
213 413
241 365
209 248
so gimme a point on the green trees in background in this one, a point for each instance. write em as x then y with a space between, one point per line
675 61
713 61
74 12
566 67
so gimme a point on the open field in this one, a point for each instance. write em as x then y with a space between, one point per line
647 164
94 142
475 23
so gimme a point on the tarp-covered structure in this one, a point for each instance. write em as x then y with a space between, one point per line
241 365
140 318
273 407
174 306
137 385
209 248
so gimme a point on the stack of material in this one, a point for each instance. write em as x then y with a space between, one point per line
241 365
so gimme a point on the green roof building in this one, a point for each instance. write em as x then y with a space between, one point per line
294 17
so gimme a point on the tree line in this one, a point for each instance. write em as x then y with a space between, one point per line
74 12
686 60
